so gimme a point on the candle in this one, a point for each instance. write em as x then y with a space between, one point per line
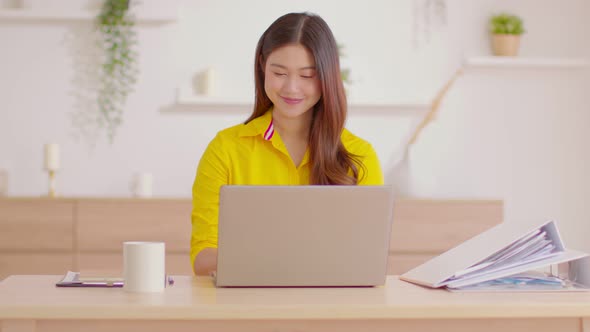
3 182
51 157
207 82
142 184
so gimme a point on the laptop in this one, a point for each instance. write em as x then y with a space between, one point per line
303 236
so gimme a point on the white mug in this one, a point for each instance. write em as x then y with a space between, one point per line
144 266
141 185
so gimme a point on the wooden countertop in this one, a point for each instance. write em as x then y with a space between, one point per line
36 297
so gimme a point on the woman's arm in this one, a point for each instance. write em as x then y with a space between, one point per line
212 173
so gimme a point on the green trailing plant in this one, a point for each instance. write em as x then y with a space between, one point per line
344 72
119 67
506 24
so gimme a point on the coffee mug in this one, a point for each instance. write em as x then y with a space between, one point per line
144 266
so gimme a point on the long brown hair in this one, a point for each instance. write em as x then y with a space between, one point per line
330 162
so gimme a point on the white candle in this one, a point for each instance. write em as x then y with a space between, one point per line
3 182
207 82
142 184
51 157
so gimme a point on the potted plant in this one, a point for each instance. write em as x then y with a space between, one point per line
344 72
506 30
119 68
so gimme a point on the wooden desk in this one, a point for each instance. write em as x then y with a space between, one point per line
32 303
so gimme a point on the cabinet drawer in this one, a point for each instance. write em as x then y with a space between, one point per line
111 264
103 225
402 263
35 263
36 224
438 225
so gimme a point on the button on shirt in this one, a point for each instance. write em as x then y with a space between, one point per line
254 154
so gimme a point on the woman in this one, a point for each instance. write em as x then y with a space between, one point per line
295 136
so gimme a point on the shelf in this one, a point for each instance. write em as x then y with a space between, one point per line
56 15
192 102
525 62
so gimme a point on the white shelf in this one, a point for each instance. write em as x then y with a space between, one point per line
524 62
192 102
32 15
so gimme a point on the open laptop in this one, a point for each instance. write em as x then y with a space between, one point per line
306 236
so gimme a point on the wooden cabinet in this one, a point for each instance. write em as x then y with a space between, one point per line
50 236
36 236
423 229
36 224
104 224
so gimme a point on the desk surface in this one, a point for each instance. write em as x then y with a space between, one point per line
36 297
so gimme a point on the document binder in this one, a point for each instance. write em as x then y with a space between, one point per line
504 250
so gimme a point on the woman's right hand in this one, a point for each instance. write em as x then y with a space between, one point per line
206 262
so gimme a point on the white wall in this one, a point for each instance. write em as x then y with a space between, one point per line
518 135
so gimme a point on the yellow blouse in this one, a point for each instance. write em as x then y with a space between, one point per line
254 154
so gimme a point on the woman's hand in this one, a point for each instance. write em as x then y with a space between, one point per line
206 262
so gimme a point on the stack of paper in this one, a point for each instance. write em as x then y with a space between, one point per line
533 247
531 281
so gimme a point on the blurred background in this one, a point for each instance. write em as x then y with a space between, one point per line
510 128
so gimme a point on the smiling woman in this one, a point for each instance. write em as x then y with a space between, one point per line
295 135
291 83
290 80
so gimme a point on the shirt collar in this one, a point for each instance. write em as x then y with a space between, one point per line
262 125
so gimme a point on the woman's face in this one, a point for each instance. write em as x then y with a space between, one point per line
291 81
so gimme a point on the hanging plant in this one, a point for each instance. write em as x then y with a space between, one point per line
344 72
119 67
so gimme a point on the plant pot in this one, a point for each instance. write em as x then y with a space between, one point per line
505 45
